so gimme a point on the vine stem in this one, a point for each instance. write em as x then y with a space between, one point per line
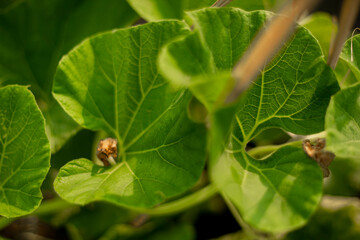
182 203
348 15
263 151
57 205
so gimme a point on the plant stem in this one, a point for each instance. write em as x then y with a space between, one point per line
221 3
181 204
348 15
263 151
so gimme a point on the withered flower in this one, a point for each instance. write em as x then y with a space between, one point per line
317 152
107 151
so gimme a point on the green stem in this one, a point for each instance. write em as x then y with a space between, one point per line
263 151
46 208
181 204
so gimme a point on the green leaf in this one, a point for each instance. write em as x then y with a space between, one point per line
291 93
343 123
295 102
344 75
344 180
351 55
34 36
291 74
336 218
274 195
322 27
202 61
110 82
152 10
253 5
24 152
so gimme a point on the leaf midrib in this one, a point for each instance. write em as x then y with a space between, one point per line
143 96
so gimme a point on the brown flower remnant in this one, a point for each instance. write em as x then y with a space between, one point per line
107 151
316 151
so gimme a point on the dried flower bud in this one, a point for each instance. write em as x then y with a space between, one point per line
107 151
316 151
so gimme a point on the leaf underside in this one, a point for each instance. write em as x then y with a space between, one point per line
111 82
24 152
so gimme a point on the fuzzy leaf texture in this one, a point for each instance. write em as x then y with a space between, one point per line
278 193
343 123
110 82
24 152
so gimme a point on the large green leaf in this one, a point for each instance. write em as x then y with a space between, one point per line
153 10
343 123
111 82
36 33
291 93
275 194
24 152
202 61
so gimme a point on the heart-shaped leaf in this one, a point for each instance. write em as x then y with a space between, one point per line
24 152
111 82
292 93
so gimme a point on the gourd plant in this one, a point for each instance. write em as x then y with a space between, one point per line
158 89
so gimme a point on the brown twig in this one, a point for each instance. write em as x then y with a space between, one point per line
348 15
221 3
